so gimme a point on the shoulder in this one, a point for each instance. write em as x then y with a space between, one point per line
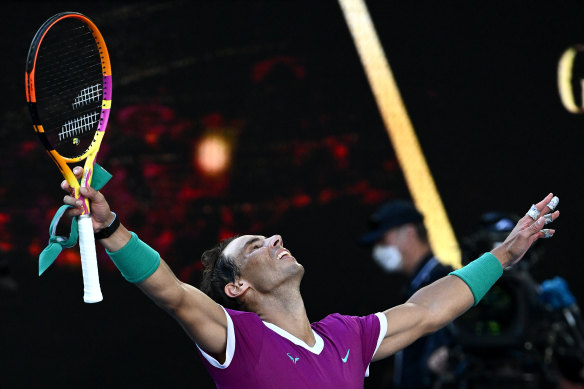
335 319
242 317
241 314
241 327
338 322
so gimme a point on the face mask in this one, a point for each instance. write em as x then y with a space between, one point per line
388 257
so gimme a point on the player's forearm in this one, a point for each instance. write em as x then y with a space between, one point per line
449 297
117 240
428 310
150 273
136 260
442 302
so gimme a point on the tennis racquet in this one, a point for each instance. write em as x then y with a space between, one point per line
68 89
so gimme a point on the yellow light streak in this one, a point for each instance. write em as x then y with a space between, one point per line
401 132
565 76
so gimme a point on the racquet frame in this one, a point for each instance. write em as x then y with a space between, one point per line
92 289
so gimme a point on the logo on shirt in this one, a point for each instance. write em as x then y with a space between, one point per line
346 356
292 358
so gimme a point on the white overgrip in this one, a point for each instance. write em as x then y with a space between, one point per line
91 288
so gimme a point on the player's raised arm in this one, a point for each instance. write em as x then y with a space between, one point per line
434 306
203 320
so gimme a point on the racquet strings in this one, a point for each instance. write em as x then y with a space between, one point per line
69 87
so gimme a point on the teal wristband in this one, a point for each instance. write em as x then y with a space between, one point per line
480 275
136 260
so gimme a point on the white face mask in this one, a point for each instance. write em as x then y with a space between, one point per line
388 257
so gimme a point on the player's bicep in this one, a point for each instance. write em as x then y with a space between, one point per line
201 317
405 324
204 321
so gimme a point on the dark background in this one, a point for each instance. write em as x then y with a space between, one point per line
283 83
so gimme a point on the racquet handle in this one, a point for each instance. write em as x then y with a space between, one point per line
91 288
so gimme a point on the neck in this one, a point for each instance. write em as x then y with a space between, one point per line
286 310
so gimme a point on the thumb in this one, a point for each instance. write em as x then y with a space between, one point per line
89 193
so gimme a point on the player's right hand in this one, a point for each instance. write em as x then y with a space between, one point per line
101 215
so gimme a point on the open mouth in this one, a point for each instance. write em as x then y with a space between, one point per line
282 254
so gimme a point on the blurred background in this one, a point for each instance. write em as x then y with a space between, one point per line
238 117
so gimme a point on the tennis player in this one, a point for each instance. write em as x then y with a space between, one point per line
268 342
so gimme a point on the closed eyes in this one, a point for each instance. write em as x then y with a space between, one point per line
254 244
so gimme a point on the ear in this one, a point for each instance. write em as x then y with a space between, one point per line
236 289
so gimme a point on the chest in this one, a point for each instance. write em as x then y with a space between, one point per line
283 364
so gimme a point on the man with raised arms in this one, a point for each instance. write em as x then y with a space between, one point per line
249 321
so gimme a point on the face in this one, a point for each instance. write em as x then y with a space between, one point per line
394 237
387 254
264 263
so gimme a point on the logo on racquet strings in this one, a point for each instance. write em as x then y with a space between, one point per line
84 123
87 95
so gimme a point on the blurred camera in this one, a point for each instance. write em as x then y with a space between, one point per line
522 334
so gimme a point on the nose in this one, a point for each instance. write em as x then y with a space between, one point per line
275 240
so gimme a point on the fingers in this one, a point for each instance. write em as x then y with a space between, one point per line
536 230
548 204
89 193
547 233
543 203
542 214
72 212
536 227
75 203
78 172
544 207
550 217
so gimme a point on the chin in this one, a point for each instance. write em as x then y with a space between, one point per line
298 271
293 270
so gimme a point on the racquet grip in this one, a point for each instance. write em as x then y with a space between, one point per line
91 288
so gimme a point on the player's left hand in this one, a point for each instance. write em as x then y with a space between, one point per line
528 229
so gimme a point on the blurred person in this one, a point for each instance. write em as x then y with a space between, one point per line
248 320
399 242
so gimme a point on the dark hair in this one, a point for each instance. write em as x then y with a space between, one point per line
219 271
